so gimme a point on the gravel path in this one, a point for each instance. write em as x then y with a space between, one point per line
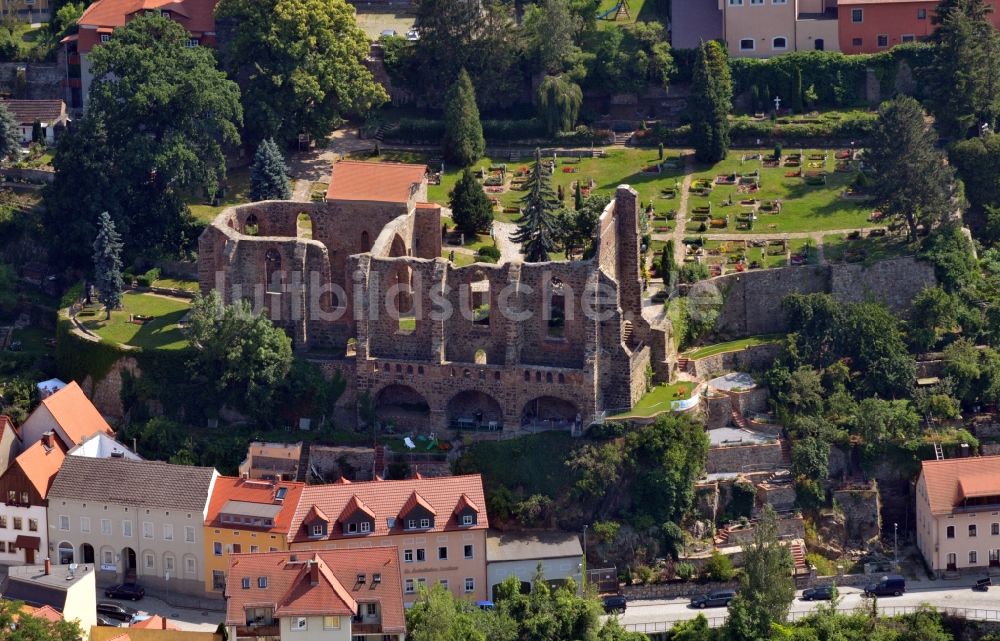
510 252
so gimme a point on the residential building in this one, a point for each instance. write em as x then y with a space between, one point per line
245 515
29 11
102 17
694 21
49 115
765 28
24 488
69 589
52 385
335 595
869 26
155 622
958 513
438 526
137 520
272 461
10 442
559 554
133 633
69 414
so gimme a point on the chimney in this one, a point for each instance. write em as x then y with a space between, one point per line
313 573
48 566
47 440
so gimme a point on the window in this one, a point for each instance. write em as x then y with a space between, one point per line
108 556
995 529
352 528
407 556
3 521
218 580
909 37
421 556
105 37
12 496
972 530
317 529
882 40
85 524
421 581
408 586
168 531
425 523
149 561
64 523
106 527
411 524
299 624
331 623
468 551
757 2
25 500
444 583
747 44
779 1
168 563
262 582
921 14
33 525
217 548
857 15
443 553
857 42
366 526
245 583
193 42
950 532
127 528
779 43
17 522
254 549
372 609
237 548
147 530
973 557
467 519
190 566
470 584
188 534
735 3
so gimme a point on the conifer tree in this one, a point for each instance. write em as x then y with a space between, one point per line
536 226
463 132
10 139
712 95
798 93
108 264
269 175
578 196
470 207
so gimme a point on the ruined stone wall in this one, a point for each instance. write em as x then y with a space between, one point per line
333 462
895 281
32 80
862 514
752 358
741 458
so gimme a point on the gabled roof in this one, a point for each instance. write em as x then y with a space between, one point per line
134 633
121 481
388 182
28 112
465 503
40 464
317 583
387 500
75 414
234 490
315 513
6 423
155 622
46 612
414 501
195 15
951 481
355 505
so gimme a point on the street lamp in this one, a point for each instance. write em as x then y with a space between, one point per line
895 539
584 576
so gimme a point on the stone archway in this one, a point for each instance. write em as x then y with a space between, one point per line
65 552
87 553
474 410
397 248
402 406
549 412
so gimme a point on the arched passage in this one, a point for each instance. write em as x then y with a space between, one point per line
250 225
304 225
475 410
549 412
128 562
397 248
66 553
402 406
86 553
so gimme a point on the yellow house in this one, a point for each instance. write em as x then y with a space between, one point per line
245 515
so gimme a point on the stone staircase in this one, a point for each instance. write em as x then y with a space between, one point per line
683 363
622 138
627 333
722 537
302 474
798 556
378 467
736 413
786 451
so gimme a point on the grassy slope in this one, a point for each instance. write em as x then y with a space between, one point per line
160 333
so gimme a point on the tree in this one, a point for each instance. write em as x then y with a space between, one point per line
712 93
242 357
766 586
873 340
559 101
10 134
108 264
576 228
878 421
934 311
463 131
799 93
536 225
269 175
719 567
549 31
17 625
471 210
668 266
578 196
977 161
300 64
438 616
146 79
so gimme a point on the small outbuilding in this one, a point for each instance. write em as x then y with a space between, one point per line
510 554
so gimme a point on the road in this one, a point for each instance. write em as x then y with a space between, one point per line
205 619
940 594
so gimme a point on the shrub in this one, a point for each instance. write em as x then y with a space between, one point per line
488 254
606 531
685 571
644 574
719 567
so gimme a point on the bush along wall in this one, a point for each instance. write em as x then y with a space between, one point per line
827 129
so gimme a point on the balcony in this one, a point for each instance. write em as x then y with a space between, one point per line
258 631
366 628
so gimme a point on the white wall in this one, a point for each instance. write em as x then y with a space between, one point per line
9 534
81 603
314 630
40 422
562 568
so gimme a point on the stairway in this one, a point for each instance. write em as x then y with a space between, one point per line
682 364
722 537
798 557
379 133
627 333
302 473
786 452
622 138
736 414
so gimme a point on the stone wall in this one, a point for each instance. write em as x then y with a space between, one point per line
106 394
333 462
676 589
861 509
32 80
739 458
749 359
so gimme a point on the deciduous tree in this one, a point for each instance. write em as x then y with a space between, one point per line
10 134
463 132
559 101
108 264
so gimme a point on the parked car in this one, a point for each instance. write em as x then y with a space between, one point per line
890 584
131 591
413 35
107 621
714 599
615 603
388 33
116 611
817 594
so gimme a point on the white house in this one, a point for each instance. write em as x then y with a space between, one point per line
519 555
47 114
69 414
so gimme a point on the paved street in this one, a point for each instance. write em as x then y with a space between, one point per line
204 619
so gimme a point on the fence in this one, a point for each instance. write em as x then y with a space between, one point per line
972 614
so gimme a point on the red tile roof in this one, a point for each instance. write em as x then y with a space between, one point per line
7 424
387 182
231 488
46 612
27 112
155 622
40 464
416 500
194 15
317 583
387 500
465 502
75 414
951 481
353 506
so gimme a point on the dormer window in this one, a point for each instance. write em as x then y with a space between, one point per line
425 523
105 37
467 519
317 529
165 14
411 524
352 528
365 526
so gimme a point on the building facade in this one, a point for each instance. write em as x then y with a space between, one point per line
958 514
765 28
438 526
134 520
71 591
245 515
24 488
67 413
559 554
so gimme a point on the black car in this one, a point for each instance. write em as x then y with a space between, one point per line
116 611
107 621
818 594
614 603
714 599
890 584
131 591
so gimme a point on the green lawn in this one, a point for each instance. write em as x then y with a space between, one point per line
839 249
174 283
804 207
461 259
160 333
237 185
732 346
658 399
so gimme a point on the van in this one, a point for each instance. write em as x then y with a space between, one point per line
890 584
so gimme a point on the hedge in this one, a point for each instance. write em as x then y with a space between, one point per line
744 130
428 130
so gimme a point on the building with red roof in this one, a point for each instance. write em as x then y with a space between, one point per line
245 515
958 513
24 488
68 414
330 594
438 526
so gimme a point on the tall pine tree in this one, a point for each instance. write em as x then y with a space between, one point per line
712 97
536 227
463 132
471 209
269 175
108 264
10 138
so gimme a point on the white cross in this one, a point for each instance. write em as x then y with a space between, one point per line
777 103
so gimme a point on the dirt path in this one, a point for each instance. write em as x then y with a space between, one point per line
301 191
680 220
510 252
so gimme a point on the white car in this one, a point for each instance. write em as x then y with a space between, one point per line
413 35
